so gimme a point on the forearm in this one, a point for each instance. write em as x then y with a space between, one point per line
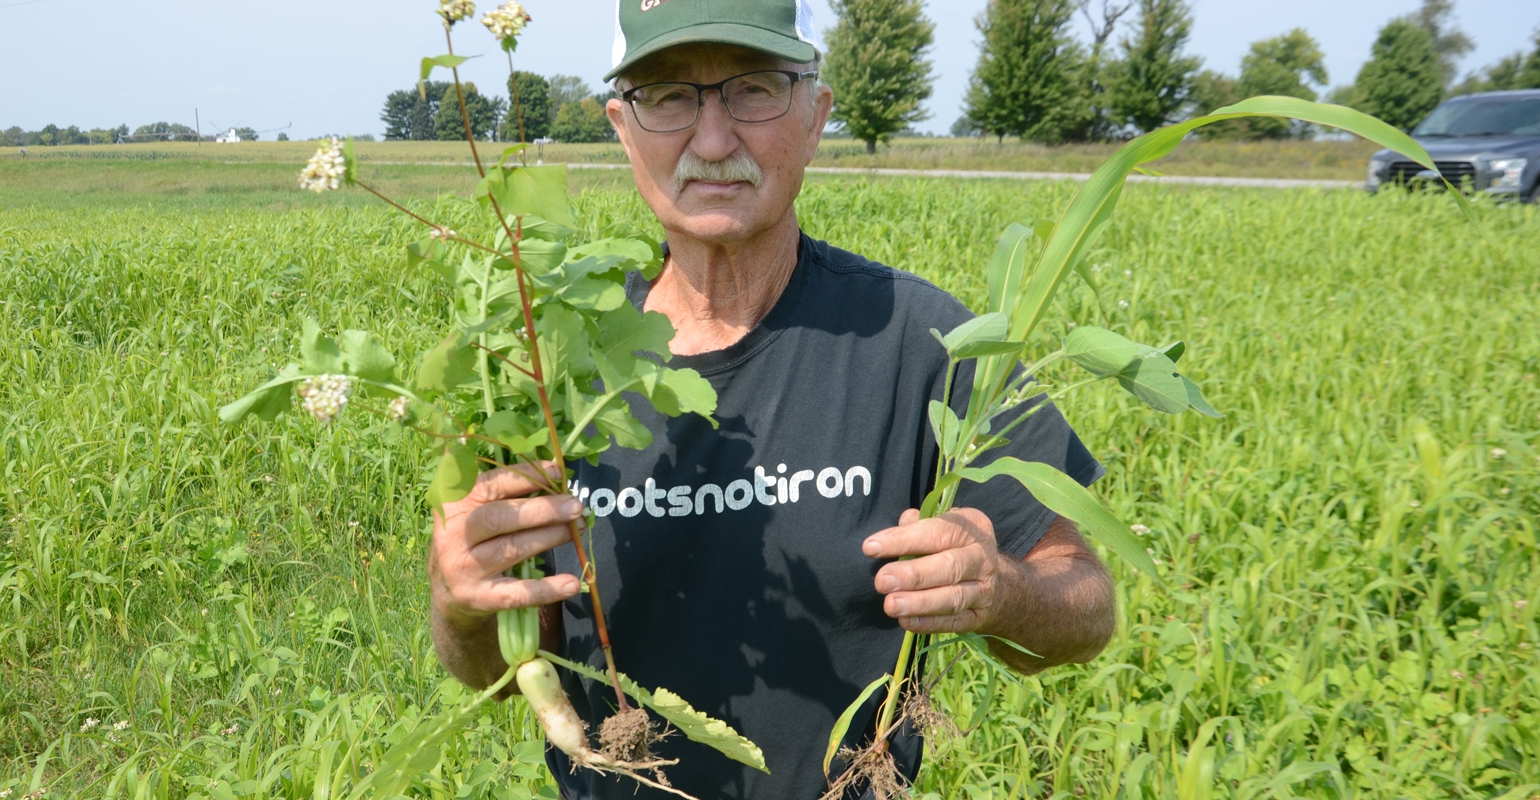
1057 602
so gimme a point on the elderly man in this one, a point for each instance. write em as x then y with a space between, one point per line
753 568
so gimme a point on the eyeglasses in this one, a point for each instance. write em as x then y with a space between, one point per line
750 97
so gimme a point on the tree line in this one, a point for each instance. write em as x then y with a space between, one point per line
53 135
561 107
1036 80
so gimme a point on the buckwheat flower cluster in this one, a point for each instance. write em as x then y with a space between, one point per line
455 10
325 396
324 171
400 409
507 20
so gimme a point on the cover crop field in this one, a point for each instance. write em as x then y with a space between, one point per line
189 610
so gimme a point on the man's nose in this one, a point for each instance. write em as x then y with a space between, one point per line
716 134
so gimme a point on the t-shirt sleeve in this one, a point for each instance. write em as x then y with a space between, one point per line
1046 437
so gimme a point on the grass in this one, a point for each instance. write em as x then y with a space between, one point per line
1326 160
1352 550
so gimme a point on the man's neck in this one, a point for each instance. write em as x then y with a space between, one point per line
714 294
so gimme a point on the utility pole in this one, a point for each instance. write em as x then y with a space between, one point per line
199 126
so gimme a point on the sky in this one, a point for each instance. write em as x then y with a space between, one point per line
313 68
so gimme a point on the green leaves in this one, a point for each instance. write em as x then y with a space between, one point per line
455 476
447 366
842 725
1074 502
428 64
541 191
357 354
1147 373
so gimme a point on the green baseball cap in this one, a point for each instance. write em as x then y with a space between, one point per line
781 28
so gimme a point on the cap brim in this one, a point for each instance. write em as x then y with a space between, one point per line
721 33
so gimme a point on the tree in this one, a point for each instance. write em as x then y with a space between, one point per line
534 108
1450 44
876 69
408 113
1024 84
1280 66
163 130
582 121
283 137
1516 71
567 89
484 112
1403 79
11 137
1153 81
247 134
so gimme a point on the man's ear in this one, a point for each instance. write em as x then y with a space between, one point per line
823 103
616 111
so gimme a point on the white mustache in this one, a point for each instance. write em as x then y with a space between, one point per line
740 166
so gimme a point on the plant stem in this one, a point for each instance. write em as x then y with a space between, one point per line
895 686
465 115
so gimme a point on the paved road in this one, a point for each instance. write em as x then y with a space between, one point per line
1264 183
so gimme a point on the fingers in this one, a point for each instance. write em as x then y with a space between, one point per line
496 555
951 623
919 537
947 568
502 483
500 517
489 597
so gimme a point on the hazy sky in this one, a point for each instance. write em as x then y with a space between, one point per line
326 67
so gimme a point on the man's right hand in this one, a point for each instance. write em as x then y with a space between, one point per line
478 538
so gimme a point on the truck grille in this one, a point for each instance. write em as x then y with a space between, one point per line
1456 172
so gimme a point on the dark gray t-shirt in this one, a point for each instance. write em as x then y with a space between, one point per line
730 559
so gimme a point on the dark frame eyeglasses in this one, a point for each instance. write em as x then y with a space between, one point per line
673 123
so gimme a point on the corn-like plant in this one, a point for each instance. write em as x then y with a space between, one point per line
1027 270
545 345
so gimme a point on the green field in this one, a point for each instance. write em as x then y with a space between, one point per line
1270 159
189 610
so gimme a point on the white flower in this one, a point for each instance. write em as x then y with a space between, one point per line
442 234
1122 304
1498 452
4 793
324 171
400 409
1140 529
122 725
325 395
455 10
90 724
507 20
1520 604
232 730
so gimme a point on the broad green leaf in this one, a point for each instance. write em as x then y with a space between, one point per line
541 191
1062 495
1101 351
318 354
266 401
684 391
617 422
637 252
982 349
946 427
365 357
434 254
933 500
597 294
537 256
445 61
534 226
627 331
448 365
842 725
1196 401
515 432
714 733
989 327
564 343
985 701
1008 266
510 152
455 476
1152 378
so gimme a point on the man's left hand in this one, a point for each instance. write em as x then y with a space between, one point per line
950 583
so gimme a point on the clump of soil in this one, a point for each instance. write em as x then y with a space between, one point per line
628 738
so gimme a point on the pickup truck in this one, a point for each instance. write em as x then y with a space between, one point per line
1486 143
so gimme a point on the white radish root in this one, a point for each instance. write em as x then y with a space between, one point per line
564 728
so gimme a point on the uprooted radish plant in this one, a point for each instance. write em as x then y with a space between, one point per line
1028 267
535 370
